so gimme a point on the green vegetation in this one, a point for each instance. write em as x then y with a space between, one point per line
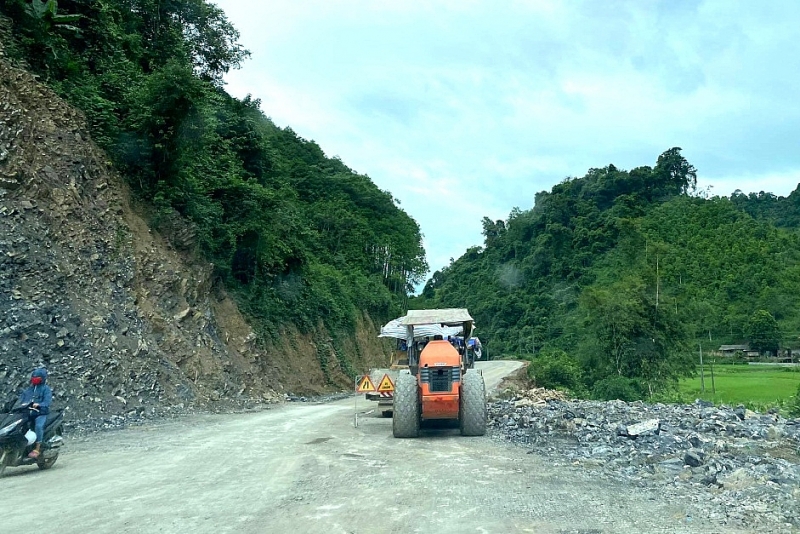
751 385
296 236
763 332
555 369
617 388
628 272
794 403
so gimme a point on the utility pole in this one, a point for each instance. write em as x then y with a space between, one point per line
702 377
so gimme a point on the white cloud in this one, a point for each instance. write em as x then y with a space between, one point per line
778 183
464 109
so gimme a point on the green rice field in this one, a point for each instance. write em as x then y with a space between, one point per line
752 385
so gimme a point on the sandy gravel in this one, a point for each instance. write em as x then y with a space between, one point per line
305 468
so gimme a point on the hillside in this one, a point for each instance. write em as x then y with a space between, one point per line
123 320
297 237
624 273
164 244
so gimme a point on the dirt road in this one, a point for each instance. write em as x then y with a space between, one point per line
305 468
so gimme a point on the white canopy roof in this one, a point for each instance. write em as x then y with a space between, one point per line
449 316
396 329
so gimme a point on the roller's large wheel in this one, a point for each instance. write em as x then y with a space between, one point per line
473 413
405 416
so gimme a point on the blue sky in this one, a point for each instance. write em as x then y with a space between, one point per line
464 109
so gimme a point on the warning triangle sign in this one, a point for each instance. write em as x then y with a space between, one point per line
386 384
365 385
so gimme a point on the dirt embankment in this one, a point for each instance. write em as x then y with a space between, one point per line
126 322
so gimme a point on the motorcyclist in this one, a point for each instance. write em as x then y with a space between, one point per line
39 395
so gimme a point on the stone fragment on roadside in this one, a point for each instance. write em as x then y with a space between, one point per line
773 432
542 395
697 441
743 413
644 428
525 402
694 458
737 480
180 316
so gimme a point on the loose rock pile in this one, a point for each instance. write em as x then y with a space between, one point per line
735 466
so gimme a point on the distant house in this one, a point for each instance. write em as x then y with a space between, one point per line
730 350
788 355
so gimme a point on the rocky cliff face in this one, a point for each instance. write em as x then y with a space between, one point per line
125 322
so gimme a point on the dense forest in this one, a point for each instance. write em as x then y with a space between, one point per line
296 236
616 279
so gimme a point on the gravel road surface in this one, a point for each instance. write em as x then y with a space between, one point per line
306 468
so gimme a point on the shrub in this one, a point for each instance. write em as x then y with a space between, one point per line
794 404
555 369
617 387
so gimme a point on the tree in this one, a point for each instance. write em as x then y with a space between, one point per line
635 339
47 12
677 174
763 332
615 316
492 230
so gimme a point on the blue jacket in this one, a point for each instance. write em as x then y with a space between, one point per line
41 394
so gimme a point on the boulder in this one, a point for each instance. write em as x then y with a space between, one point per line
645 428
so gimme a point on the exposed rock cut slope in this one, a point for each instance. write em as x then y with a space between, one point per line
125 323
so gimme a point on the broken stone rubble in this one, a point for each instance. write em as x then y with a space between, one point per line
735 466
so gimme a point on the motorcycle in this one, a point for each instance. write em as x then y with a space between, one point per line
17 437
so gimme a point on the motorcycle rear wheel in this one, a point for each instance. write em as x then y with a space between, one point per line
4 458
47 463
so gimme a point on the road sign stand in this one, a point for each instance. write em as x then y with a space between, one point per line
355 403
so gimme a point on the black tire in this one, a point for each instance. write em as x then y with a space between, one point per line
4 459
405 414
473 412
47 463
